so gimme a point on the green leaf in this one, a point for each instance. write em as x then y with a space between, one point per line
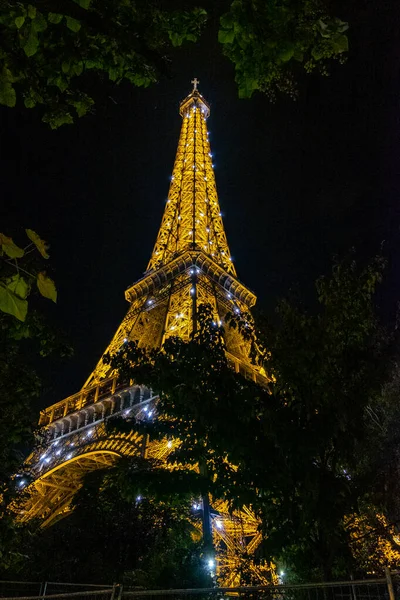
29 102
65 67
31 11
73 24
113 73
247 87
83 3
317 52
39 23
298 55
32 43
19 21
226 20
82 106
11 249
57 118
39 243
54 18
12 304
226 36
286 54
77 68
60 82
8 96
46 286
19 286
340 44
176 38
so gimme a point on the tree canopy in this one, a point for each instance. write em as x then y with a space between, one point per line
115 534
292 452
52 50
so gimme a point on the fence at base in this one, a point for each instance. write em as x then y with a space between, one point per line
371 589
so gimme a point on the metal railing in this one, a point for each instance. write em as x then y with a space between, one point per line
372 589
28 590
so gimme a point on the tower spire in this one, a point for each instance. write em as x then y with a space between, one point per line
192 218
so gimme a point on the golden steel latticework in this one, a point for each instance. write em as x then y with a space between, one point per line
191 264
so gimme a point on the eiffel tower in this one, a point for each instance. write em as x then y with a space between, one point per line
190 264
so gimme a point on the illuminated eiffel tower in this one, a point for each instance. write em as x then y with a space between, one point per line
191 264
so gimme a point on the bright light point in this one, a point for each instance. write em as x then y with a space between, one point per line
146 408
211 563
125 340
56 443
229 296
126 412
282 574
138 498
198 271
196 506
90 432
58 452
69 456
47 459
169 444
150 413
192 291
22 483
218 524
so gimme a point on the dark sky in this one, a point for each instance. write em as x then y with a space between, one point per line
297 181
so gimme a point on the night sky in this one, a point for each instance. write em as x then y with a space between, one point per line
298 181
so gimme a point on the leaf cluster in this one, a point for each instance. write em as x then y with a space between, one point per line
49 48
268 42
16 280
115 534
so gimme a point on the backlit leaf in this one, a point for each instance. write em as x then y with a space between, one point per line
29 102
8 246
19 21
12 304
83 3
46 286
32 43
31 11
54 18
39 243
19 286
226 36
73 24
8 97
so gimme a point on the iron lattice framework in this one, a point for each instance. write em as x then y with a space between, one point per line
191 264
